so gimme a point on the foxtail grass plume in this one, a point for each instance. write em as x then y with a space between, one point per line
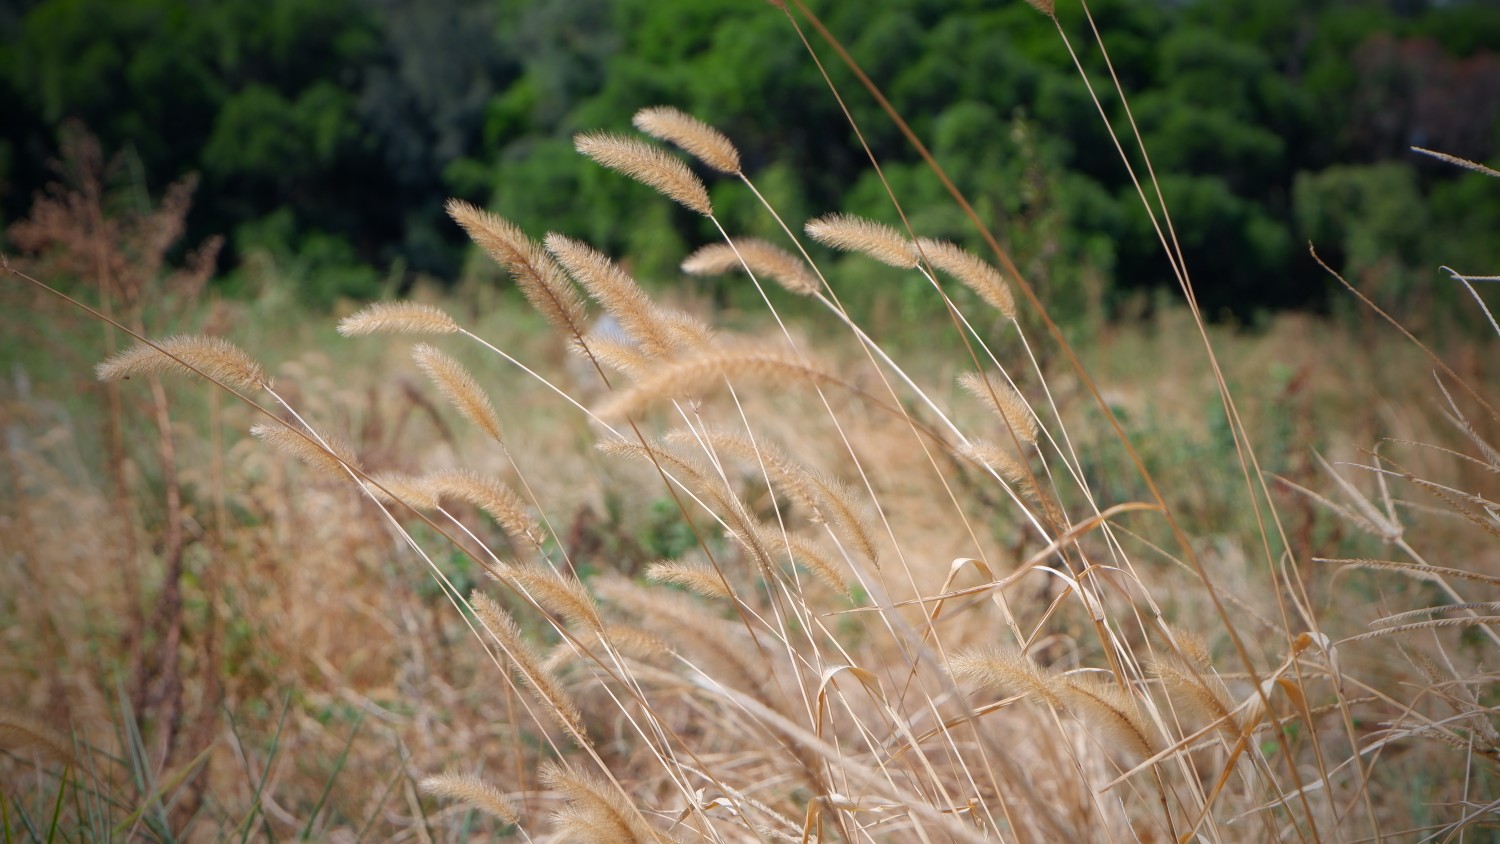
540 279
707 371
397 318
596 811
491 496
210 357
562 594
473 791
547 689
648 165
696 577
330 461
414 492
699 139
659 333
1004 401
759 257
848 233
971 271
460 388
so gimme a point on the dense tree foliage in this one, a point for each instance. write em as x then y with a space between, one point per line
328 132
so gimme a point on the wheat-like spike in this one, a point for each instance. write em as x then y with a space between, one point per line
1201 694
213 357
540 279
599 812
1112 711
848 233
708 370
1005 401
562 594
620 295
623 357
991 456
1008 670
21 735
546 687
460 388
760 257
398 318
491 496
972 271
696 577
648 165
801 551
699 139
849 519
410 490
473 790
330 461
1043 6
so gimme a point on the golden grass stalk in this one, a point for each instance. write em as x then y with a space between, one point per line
760 257
562 594
596 812
460 388
474 791
1005 401
699 139
972 271
708 370
696 577
648 165
397 318
543 684
410 490
659 334
540 279
848 233
329 461
192 354
493 497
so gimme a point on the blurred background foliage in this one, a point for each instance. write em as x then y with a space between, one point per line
327 133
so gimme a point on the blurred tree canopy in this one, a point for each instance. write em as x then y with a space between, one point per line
328 132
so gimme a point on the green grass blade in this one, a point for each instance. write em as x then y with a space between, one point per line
328 786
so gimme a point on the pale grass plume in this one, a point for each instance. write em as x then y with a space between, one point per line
972 271
1000 397
474 791
460 388
849 233
1007 670
490 495
694 576
191 354
997 459
760 257
413 491
398 318
561 594
708 370
540 279
803 552
596 811
547 689
623 357
648 165
1111 711
659 333
1196 692
697 138
23 736
331 460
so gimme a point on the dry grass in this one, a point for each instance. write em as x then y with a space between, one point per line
757 589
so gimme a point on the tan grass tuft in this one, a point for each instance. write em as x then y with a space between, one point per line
211 357
648 165
20 735
1043 6
623 357
707 371
397 318
1111 711
971 271
1008 670
474 791
460 388
329 461
543 684
557 593
803 552
997 459
696 577
856 234
596 811
762 259
1005 401
539 277
699 139
409 490
494 498
1200 694
659 333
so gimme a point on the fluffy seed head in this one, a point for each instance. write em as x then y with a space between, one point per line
760 257
701 140
460 388
474 791
397 318
1005 401
648 165
971 271
848 233
330 460
213 357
